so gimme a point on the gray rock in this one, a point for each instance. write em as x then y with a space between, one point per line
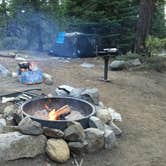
101 105
47 79
95 139
76 92
134 62
47 76
9 111
67 88
2 122
91 95
104 115
30 127
4 71
117 65
109 139
8 129
74 132
77 147
53 133
95 122
58 150
15 145
17 117
115 128
61 92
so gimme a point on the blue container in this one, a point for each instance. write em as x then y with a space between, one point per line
31 77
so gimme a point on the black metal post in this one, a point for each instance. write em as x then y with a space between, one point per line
106 62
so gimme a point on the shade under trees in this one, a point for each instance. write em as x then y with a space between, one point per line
33 24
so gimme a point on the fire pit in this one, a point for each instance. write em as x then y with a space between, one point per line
37 109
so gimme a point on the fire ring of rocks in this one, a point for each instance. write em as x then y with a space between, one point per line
19 132
56 112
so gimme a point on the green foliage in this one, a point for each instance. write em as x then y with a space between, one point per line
157 63
113 20
159 21
163 43
155 45
128 56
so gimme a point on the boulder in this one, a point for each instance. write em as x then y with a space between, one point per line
134 62
74 132
47 79
117 65
109 139
17 117
15 145
58 150
101 105
47 76
30 127
53 133
95 139
115 115
91 95
63 90
2 124
67 88
104 115
78 147
8 129
9 111
115 128
4 71
76 92
95 122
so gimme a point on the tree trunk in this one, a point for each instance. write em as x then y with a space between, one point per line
144 24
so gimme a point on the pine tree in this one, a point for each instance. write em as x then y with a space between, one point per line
113 20
158 20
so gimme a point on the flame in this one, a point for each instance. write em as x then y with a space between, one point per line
54 114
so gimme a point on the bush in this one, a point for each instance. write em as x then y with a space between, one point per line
154 45
129 56
156 63
163 43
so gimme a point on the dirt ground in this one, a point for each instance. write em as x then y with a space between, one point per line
139 96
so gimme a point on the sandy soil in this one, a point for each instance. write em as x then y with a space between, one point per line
140 97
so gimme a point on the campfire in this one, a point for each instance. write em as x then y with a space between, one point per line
58 114
57 125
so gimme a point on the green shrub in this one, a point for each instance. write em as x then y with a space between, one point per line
154 45
129 56
163 43
156 63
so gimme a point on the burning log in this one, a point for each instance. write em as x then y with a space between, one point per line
54 114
